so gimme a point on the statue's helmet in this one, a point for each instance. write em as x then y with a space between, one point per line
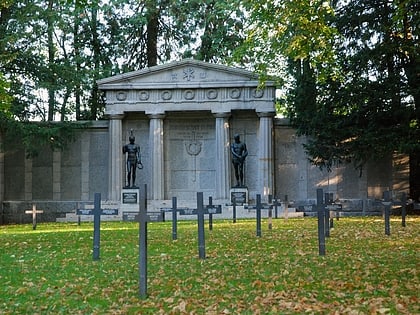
131 138
236 137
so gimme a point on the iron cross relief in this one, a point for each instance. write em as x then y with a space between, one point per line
189 74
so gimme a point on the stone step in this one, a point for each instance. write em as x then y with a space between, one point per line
227 212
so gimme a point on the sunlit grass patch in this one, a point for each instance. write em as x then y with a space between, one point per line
50 270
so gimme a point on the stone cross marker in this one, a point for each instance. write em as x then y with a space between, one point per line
34 212
96 212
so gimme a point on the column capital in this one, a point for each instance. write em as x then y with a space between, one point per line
156 116
222 115
266 114
115 116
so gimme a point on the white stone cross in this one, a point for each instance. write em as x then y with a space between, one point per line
34 213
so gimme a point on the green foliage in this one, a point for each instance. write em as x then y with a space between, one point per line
371 111
350 70
53 52
36 136
209 30
5 98
50 270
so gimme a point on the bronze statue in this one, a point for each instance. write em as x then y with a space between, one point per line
133 160
239 153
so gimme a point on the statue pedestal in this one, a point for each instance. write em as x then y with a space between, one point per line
130 199
239 195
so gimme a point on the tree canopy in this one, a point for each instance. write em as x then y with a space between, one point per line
354 73
53 52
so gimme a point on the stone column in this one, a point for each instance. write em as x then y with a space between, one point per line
222 156
157 190
265 154
115 157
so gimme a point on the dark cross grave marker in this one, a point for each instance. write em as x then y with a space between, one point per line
286 207
213 209
174 219
34 212
328 200
174 211
270 213
151 216
210 214
96 212
403 208
387 209
258 207
335 208
234 210
200 221
96 226
234 204
143 217
321 221
209 209
200 212
143 243
276 204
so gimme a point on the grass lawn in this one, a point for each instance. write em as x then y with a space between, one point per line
51 270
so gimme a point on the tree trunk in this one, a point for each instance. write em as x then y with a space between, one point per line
51 51
96 60
76 44
152 33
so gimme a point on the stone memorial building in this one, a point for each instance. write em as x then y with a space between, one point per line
184 116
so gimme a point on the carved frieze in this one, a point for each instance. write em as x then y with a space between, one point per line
235 93
166 95
189 94
212 94
144 95
193 94
121 96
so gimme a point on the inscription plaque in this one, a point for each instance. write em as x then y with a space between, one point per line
130 197
239 196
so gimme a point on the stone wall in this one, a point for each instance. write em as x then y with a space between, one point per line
359 192
56 181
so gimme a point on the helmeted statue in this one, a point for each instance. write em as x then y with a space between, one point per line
133 160
239 153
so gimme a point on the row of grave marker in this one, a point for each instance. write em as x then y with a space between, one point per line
143 217
325 222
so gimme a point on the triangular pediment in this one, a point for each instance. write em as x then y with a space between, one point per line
187 72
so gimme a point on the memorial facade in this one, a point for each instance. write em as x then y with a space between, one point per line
184 115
